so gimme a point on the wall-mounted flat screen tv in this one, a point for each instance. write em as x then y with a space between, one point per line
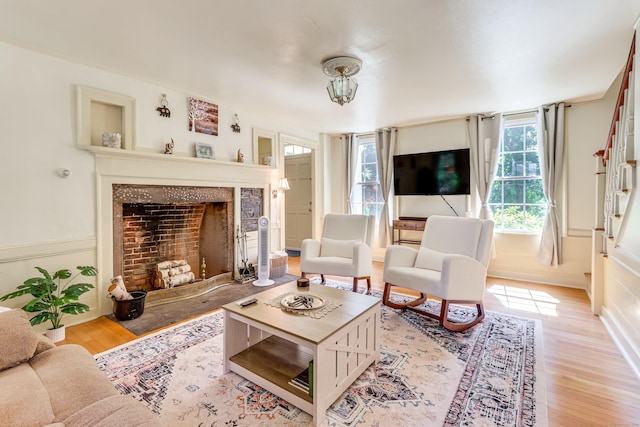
432 174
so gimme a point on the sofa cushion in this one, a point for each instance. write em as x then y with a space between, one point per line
429 259
339 248
43 344
23 399
113 411
72 379
18 340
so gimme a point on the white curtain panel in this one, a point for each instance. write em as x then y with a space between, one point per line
385 147
484 142
551 152
350 144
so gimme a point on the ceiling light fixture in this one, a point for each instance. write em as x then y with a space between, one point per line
342 87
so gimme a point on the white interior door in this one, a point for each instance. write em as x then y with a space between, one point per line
299 200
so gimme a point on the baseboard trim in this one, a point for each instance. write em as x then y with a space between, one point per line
621 340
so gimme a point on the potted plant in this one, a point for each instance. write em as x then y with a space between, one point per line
53 296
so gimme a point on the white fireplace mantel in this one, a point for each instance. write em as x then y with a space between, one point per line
114 166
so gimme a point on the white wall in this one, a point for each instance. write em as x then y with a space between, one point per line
50 221
587 126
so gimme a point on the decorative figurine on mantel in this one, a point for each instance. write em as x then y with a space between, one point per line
168 147
240 156
236 124
204 270
111 139
164 110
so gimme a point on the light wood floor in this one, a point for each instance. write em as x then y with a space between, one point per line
588 382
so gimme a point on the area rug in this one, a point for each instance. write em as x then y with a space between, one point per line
490 375
167 314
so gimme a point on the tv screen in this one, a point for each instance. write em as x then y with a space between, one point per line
434 173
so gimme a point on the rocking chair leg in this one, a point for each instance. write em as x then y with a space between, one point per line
458 327
385 299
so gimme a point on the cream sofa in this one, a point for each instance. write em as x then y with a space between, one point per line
46 385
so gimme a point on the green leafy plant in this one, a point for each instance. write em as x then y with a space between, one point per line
52 298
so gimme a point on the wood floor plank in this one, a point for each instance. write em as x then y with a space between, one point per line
589 383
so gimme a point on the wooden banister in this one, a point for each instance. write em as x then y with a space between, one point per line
625 84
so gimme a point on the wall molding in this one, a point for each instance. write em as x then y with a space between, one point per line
10 254
621 339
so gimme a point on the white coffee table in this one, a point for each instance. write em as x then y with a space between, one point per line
269 346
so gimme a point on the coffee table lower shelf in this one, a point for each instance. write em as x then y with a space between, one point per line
275 360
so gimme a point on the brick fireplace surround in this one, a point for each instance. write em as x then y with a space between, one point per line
134 177
156 223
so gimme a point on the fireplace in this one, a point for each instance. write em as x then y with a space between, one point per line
153 224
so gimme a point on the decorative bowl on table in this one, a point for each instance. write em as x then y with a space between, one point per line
302 301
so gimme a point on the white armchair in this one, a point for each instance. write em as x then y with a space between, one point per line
343 250
451 264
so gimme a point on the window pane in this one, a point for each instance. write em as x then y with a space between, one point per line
496 192
517 200
496 212
514 191
516 164
532 163
366 197
370 193
534 191
514 139
531 138
369 173
500 170
534 217
368 153
513 218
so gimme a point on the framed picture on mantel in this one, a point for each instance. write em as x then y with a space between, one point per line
204 151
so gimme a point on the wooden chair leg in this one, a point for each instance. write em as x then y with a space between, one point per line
322 277
458 327
386 301
355 284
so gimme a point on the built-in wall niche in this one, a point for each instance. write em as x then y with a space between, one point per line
264 147
101 111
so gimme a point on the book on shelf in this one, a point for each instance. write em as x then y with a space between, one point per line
298 386
304 380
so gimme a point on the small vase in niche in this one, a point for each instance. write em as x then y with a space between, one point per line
112 139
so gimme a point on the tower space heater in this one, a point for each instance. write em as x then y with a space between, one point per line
263 253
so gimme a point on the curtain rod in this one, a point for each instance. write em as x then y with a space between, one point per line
529 111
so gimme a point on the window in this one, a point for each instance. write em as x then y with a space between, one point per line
517 200
292 150
366 196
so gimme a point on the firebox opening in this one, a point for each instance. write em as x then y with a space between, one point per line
150 233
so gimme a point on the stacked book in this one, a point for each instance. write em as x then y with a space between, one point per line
304 380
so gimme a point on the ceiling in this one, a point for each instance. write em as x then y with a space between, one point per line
423 60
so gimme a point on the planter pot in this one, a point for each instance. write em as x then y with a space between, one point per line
56 335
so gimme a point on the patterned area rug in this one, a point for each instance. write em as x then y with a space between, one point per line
489 375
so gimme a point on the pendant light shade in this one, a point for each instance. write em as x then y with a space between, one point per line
342 87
